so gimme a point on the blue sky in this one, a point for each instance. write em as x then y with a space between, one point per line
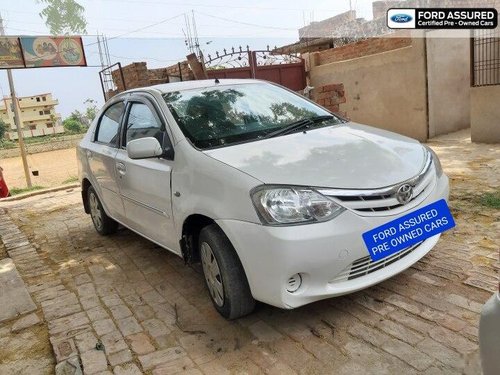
127 24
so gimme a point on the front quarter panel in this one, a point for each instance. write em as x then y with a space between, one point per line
209 187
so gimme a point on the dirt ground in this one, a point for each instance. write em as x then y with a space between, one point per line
54 168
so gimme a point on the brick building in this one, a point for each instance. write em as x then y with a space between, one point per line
38 116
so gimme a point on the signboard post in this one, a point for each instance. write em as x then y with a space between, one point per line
17 119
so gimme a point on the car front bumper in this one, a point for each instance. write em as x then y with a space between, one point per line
322 253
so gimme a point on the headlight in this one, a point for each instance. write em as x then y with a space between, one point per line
435 161
281 205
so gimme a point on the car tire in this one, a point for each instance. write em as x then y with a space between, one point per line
225 277
103 224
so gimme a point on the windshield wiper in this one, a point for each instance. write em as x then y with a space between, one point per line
296 125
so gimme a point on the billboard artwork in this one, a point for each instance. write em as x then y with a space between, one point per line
11 55
47 51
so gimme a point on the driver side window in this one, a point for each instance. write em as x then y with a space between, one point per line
142 122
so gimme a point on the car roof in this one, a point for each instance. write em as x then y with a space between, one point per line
196 84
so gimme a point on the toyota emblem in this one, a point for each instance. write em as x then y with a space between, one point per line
404 193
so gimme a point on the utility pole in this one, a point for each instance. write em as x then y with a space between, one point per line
17 118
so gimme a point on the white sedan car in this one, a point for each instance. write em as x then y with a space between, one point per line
270 191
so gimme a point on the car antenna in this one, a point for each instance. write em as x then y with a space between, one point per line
217 80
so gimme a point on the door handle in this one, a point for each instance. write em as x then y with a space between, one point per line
120 167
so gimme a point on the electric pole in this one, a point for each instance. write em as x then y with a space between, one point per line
17 118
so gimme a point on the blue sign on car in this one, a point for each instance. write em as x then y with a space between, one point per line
408 230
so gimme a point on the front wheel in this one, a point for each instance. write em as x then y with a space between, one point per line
224 275
103 224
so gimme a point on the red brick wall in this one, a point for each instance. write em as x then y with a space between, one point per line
330 96
138 75
362 48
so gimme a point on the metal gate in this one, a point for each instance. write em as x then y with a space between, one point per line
286 70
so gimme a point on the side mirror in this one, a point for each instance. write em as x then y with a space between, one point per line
144 148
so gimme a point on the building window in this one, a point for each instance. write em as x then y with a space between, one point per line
44 98
37 99
40 112
47 112
32 127
50 125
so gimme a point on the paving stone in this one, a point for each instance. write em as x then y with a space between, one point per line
68 323
155 327
160 357
177 366
14 299
113 342
120 311
70 366
152 297
97 313
140 343
25 322
94 361
104 326
112 300
82 279
264 332
120 357
63 349
85 341
143 312
86 290
127 369
129 326
90 302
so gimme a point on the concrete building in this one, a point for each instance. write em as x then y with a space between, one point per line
38 116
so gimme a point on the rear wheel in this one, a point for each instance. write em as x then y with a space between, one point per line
224 275
102 223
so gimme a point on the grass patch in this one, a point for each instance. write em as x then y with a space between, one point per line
16 191
491 200
70 180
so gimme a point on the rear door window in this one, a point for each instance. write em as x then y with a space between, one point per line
109 124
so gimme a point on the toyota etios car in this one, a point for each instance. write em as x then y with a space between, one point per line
270 191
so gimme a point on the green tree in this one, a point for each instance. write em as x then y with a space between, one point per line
91 110
64 17
75 123
3 129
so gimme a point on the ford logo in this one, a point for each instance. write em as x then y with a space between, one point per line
401 18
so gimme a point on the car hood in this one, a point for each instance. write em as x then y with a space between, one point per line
350 156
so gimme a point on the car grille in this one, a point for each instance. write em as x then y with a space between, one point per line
365 265
383 200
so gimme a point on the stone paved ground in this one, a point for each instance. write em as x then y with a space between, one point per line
152 315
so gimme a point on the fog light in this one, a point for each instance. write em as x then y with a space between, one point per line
294 283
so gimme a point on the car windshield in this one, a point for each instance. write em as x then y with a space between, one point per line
229 114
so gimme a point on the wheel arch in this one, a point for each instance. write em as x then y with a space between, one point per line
85 188
191 228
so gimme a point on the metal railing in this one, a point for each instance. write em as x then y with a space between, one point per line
485 57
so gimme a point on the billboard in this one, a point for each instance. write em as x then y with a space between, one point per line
41 52
11 55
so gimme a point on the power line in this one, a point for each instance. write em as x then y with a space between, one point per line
140 29
247 23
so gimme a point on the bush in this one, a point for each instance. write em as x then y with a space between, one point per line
73 126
